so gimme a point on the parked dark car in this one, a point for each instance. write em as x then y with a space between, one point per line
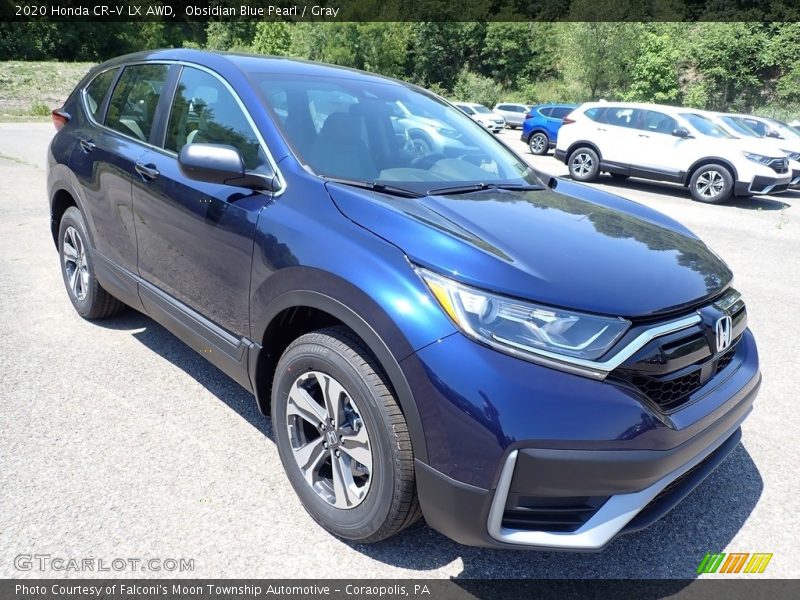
541 125
412 323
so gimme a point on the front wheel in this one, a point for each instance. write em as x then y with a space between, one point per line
711 184
538 144
342 437
584 164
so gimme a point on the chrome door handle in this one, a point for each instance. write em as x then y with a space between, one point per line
601 129
644 135
148 172
87 145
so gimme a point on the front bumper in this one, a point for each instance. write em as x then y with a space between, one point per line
546 491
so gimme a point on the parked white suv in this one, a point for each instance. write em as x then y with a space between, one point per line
788 144
667 143
491 120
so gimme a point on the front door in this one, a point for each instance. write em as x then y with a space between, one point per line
195 239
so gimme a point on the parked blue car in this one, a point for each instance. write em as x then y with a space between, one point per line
541 125
412 323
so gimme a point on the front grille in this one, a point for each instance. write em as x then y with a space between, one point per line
669 394
779 165
551 514
724 360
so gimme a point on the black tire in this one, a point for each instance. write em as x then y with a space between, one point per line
711 184
390 502
539 143
584 164
88 297
422 145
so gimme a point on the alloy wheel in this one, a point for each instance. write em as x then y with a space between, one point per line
329 440
710 184
537 143
582 164
75 265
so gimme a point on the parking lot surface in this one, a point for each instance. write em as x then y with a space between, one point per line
118 441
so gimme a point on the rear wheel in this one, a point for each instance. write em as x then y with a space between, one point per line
88 297
342 437
711 184
584 164
538 143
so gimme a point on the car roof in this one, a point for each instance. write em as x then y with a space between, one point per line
258 63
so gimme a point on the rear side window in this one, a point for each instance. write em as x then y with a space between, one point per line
622 117
596 114
204 111
132 108
559 112
96 92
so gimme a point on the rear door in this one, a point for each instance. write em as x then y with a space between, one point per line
107 150
619 137
658 154
555 119
195 239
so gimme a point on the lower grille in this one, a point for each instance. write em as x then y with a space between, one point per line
551 514
668 393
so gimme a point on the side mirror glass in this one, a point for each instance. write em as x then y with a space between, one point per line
219 163
681 132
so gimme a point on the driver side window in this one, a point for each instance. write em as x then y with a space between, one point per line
205 112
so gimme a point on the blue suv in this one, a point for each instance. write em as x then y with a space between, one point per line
541 125
410 321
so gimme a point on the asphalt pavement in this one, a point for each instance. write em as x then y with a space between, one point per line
117 441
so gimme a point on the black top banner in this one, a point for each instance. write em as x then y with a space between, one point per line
399 10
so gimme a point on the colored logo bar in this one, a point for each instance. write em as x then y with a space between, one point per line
735 562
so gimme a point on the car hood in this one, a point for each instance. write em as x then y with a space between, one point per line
764 146
602 254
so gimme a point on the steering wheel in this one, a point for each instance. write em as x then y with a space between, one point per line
427 161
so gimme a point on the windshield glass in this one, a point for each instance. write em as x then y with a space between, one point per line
739 127
705 126
481 109
783 129
375 132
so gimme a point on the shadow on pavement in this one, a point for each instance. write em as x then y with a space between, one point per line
706 521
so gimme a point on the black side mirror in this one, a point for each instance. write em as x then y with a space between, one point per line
681 132
771 133
218 163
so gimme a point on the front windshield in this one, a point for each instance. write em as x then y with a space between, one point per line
783 129
706 126
375 132
738 127
481 108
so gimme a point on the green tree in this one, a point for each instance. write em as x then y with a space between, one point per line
273 38
655 72
599 55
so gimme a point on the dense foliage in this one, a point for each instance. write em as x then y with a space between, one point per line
737 65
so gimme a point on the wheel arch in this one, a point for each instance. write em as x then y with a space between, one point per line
580 144
710 160
537 129
318 309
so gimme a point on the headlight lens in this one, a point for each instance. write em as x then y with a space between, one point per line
759 158
447 132
507 323
792 155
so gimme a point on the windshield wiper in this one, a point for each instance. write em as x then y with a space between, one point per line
477 187
378 187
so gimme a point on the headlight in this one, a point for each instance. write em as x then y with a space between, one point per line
516 325
792 155
447 132
759 158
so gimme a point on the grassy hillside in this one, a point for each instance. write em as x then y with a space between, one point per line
34 88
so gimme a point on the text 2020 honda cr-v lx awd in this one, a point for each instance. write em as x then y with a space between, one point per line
525 361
